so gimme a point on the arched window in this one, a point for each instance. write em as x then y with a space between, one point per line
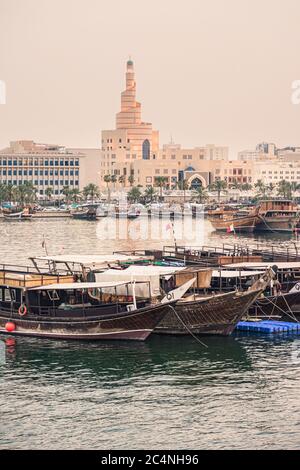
196 183
146 150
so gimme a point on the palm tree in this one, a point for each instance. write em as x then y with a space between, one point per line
261 187
150 193
284 189
3 193
49 193
131 180
114 180
66 191
25 193
10 191
270 188
218 186
134 195
246 187
75 195
107 179
295 186
160 181
184 186
91 190
201 194
122 180
235 185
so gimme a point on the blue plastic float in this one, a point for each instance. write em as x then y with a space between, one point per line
269 327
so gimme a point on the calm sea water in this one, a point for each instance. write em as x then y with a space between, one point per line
241 392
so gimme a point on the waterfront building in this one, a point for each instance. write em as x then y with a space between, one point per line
274 172
43 165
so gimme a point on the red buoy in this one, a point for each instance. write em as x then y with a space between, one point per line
10 326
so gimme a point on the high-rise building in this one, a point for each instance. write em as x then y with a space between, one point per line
43 165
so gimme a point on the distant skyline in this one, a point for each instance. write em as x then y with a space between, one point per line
207 71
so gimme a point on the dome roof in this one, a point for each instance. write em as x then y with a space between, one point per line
129 62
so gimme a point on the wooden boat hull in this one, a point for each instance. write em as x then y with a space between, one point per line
18 217
136 325
85 216
239 224
216 315
276 224
274 305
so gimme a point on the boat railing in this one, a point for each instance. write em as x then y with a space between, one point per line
287 253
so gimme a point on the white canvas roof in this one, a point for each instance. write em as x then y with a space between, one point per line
81 285
149 270
147 274
91 260
263 264
236 273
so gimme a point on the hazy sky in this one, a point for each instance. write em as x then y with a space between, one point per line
208 71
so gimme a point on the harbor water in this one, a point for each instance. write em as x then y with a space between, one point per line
240 392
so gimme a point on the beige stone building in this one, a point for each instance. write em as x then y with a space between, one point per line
132 149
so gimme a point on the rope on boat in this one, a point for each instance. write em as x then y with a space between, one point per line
292 316
187 328
267 225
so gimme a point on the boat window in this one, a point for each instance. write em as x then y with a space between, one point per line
7 296
53 295
13 295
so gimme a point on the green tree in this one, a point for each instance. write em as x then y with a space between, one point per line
131 180
160 182
261 188
218 187
122 180
114 179
75 195
150 193
10 192
295 186
49 193
134 195
245 187
235 185
107 179
284 189
201 194
25 193
91 190
3 193
66 191
183 186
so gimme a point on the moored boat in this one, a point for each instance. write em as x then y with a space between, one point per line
212 315
239 222
22 215
209 315
85 214
32 305
277 215
196 313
